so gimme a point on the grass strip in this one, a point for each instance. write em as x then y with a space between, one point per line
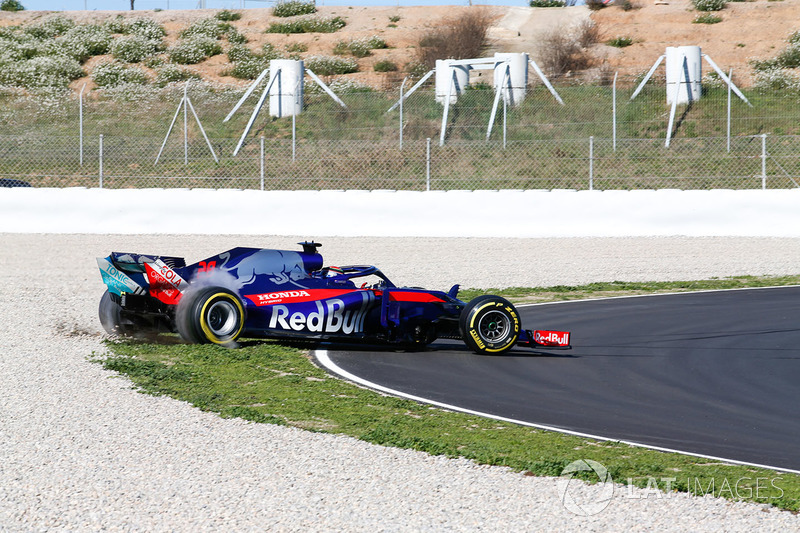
270 382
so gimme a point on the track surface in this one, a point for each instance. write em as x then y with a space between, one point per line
715 373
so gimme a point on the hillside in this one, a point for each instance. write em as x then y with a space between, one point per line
748 30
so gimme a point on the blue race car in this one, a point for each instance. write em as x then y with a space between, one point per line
264 293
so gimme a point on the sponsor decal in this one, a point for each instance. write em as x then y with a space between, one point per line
296 296
117 281
329 316
413 296
166 285
551 338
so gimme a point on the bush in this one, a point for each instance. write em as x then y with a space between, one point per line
460 38
709 5
308 25
293 8
195 50
595 5
11 5
706 18
50 27
227 16
113 74
789 57
173 73
546 3
41 72
296 48
620 42
329 65
248 68
133 48
116 25
385 66
147 28
564 52
210 27
83 42
360 47
776 79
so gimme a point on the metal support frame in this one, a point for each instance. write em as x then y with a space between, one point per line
186 104
506 81
416 86
278 76
80 122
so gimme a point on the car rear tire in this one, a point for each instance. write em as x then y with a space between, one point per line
489 325
211 314
111 318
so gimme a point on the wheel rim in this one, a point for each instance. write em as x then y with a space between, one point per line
222 318
494 326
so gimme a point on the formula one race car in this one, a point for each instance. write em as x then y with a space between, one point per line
251 292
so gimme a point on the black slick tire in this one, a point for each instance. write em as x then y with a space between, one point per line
210 315
489 325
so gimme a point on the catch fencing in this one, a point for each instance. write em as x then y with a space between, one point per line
599 139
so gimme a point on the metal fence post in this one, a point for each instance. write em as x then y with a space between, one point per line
428 166
505 106
614 112
591 163
101 161
80 120
294 137
730 77
763 161
261 163
402 86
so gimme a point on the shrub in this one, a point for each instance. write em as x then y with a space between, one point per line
709 5
11 5
41 72
706 18
293 8
308 25
460 38
116 25
147 28
195 50
794 38
359 47
83 42
620 42
329 65
789 57
248 68
776 79
595 5
394 18
50 27
546 3
133 48
564 53
113 74
296 47
209 27
173 73
227 16
385 66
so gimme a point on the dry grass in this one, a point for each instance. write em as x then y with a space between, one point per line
459 38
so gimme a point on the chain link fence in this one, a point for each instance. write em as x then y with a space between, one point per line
599 139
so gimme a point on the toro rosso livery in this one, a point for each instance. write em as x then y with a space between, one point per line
252 292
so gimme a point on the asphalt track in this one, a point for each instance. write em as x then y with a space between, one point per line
711 373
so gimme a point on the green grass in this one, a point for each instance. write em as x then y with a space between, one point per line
268 382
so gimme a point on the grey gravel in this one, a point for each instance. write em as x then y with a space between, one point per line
81 451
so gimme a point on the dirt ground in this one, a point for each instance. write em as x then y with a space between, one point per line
753 29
